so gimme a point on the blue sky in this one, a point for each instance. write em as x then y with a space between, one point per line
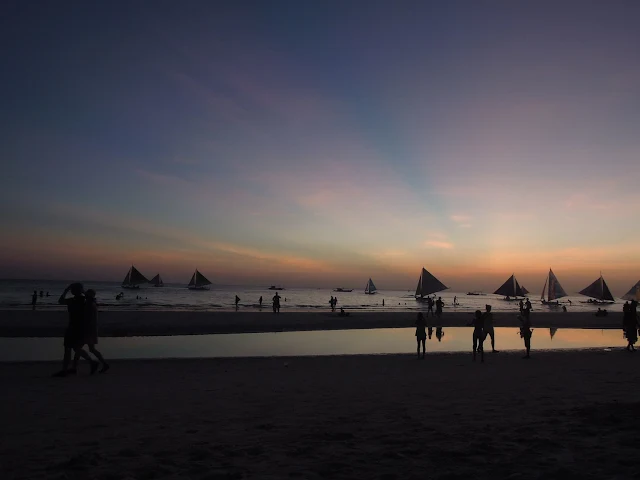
318 143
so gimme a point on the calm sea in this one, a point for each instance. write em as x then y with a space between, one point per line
16 294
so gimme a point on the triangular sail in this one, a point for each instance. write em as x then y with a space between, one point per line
157 281
598 289
127 279
524 290
555 289
192 282
201 280
136 277
520 292
419 287
372 287
633 294
508 288
429 284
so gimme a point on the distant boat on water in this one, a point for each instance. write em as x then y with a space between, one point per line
552 290
157 281
598 292
633 294
511 290
428 284
476 293
343 289
274 287
198 282
134 279
370 289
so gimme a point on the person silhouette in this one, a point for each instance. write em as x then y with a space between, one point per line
439 333
439 305
488 327
421 334
430 306
237 301
276 303
430 331
260 301
34 299
91 331
629 325
525 331
74 334
478 335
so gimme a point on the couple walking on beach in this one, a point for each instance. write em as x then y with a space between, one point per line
82 329
482 327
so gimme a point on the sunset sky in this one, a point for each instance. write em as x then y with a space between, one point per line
320 143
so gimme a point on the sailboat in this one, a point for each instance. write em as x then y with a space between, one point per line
553 292
198 282
370 289
428 284
511 289
599 292
133 279
634 293
157 281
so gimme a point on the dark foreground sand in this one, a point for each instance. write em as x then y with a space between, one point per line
557 415
25 323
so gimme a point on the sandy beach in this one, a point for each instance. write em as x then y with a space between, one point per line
26 323
557 415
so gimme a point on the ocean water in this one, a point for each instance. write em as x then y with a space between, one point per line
17 295
336 342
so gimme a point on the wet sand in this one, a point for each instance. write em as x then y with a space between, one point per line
24 323
557 415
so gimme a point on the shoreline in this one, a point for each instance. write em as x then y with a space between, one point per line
25 323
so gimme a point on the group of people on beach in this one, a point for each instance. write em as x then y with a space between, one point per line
34 298
82 330
482 328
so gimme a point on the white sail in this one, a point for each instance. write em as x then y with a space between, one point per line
370 288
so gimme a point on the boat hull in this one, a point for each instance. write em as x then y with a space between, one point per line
197 289
131 287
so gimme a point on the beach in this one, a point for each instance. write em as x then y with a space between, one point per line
557 415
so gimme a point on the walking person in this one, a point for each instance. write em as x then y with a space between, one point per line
478 335
34 299
74 334
260 301
488 327
430 306
237 301
421 333
91 331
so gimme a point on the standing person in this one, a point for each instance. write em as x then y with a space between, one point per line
629 322
383 302
421 333
521 306
455 301
74 335
527 304
276 303
34 299
430 306
525 331
260 301
488 327
90 331
439 305
478 335
237 301
331 304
